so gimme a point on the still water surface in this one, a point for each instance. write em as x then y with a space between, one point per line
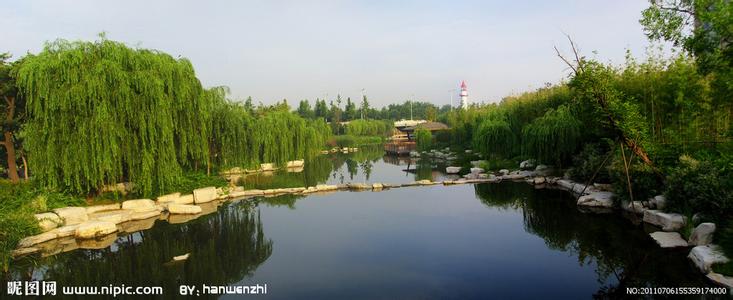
502 241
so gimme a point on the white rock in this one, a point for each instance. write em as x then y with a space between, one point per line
65 231
139 205
721 280
477 170
659 202
168 198
72 215
184 209
295 163
705 256
668 221
634 207
539 180
452 170
37 239
527 164
541 168
267 167
181 257
668 239
358 186
566 184
98 208
115 216
185 199
204 195
702 235
142 215
48 221
504 172
94 229
326 187
597 199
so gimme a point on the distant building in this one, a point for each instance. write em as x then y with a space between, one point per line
464 95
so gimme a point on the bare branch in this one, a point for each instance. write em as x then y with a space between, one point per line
565 60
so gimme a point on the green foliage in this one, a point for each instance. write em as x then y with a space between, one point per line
724 238
496 163
18 203
424 139
102 112
495 136
369 128
588 161
194 180
644 183
700 187
552 137
342 141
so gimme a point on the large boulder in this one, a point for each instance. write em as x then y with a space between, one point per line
668 221
597 199
184 209
169 198
527 164
65 231
635 207
37 239
139 205
185 199
702 235
705 256
658 202
143 215
668 239
103 207
452 170
477 170
721 280
204 195
295 163
72 215
48 221
267 167
377 186
94 229
115 216
326 187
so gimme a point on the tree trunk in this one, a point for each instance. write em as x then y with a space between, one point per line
10 150
8 141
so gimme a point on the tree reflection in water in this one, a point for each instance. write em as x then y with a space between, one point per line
624 254
225 248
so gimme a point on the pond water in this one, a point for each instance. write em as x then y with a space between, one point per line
504 241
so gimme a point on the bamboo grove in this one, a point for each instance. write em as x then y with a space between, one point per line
102 112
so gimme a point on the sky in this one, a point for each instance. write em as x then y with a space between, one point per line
393 50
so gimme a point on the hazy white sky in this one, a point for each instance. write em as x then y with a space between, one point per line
276 49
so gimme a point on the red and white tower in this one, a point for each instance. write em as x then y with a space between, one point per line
464 95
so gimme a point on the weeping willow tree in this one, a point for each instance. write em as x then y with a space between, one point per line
552 137
101 112
424 139
495 136
240 139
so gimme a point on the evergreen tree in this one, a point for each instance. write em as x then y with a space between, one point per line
304 109
349 110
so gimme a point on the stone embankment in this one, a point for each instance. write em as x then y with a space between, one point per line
94 227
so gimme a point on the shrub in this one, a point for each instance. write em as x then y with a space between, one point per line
587 162
700 187
344 141
424 139
644 182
